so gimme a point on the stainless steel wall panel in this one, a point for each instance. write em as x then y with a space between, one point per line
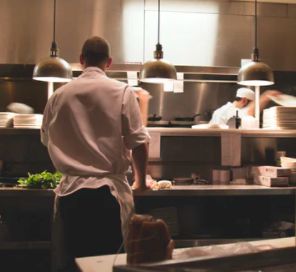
292 11
193 32
197 97
27 28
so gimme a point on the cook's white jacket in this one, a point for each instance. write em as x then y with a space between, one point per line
89 126
227 111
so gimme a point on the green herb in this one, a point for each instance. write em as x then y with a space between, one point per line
44 180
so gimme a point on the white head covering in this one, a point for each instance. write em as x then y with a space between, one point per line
245 92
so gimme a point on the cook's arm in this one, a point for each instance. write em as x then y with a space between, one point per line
264 100
135 137
140 159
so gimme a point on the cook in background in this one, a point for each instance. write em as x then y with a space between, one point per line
243 104
92 128
243 98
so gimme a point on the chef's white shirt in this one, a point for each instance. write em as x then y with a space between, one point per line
89 126
227 111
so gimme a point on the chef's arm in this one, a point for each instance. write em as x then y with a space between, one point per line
140 160
264 100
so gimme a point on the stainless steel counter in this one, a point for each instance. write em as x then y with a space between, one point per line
218 190
218 132
165 131
179 191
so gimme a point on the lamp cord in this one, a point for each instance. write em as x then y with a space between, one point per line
255 23
54 19
158 53
158 26
255 50
54 47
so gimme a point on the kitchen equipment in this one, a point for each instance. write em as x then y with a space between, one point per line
154 117
183 181
220 176
187 118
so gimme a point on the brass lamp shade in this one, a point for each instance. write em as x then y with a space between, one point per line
53 69
255 73
157 71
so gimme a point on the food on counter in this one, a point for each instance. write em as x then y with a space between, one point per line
162 185
43 180
148 240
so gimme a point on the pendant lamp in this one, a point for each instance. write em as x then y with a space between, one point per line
53 69
255 73
158 70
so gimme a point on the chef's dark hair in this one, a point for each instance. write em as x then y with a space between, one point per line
240 98
95 51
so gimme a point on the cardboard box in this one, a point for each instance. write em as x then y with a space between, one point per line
271 182
271 171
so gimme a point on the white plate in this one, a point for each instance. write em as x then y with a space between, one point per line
20 108
284 100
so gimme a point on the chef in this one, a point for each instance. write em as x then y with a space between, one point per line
244 97
92 128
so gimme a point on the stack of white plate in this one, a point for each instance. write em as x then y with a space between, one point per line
279 118
6 119
27 120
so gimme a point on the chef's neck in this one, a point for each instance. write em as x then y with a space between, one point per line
103 65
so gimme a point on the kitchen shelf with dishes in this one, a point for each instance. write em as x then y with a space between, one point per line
28 120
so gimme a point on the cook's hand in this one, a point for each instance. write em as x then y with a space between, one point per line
139 186
272 93
143 94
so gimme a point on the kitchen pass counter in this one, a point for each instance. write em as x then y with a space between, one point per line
219 190
177 190
270 252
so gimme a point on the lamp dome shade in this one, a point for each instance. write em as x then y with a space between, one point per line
53 69
157 71
255 73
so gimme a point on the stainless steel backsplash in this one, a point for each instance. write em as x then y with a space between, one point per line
204 33
193 32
